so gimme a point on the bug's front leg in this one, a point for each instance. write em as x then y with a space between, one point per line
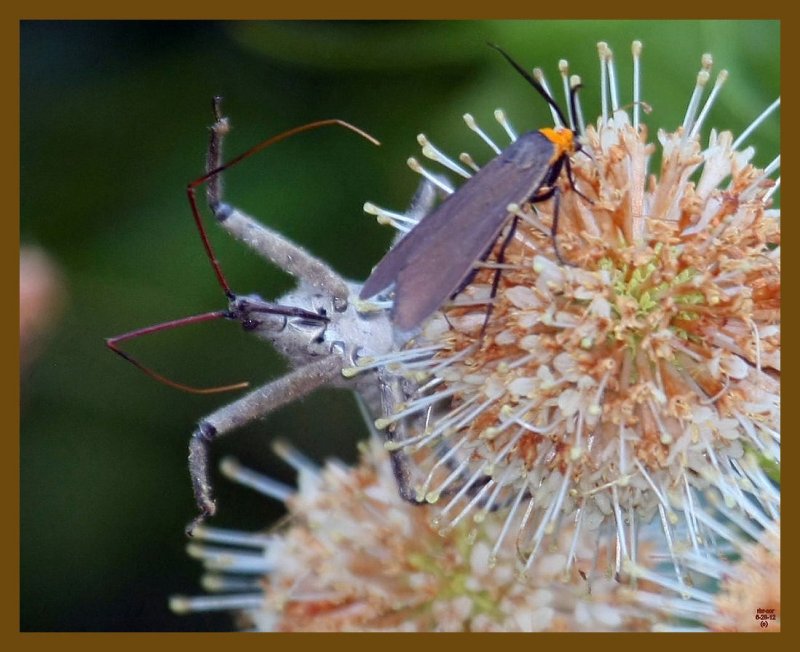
254 405
266 242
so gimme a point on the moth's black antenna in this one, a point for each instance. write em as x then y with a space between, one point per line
539 88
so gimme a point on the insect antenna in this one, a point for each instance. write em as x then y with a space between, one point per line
532 81
112 343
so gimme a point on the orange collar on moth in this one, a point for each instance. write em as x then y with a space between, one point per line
563 139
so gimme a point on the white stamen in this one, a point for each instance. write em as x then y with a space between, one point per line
434 179
435 154
453 359
563 68
507 525
721 77
636 50
665 437
293 457
612 80
214 583
721 530
390 359
573 546
470 505
666 529
756 343
464 419
183 605
574 82
662 580
230 560
433 496
415 406
474 126
501 118
661 499
232 537
538 75
538 535
623 547
689 513
452 422
467 160
739 517
263 484
491 501
769 493
694 102
633 533
478 473
749 193
755 124
602 49
397 220
444 459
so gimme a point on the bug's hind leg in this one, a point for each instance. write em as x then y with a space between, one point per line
253 405
266 242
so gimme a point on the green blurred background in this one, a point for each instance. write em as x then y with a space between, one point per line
113 126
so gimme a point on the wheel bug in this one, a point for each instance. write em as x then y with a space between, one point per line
315 326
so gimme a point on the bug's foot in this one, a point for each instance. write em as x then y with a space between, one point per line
206 510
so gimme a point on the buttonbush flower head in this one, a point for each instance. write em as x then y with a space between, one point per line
353 556
626 379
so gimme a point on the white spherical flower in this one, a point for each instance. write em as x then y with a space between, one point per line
617 369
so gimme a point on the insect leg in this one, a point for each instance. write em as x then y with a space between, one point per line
254 405
552 191
501 257
268 243
571 178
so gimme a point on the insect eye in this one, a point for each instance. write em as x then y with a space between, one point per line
250 324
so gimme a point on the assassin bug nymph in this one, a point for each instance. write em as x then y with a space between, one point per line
315 326
435 260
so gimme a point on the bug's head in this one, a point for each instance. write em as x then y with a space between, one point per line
255 314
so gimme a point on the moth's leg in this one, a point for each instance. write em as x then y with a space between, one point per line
501 257
571 179
554 230
553 192
250 407
266 242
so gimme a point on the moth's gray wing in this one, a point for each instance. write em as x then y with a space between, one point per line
480 201
439 253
